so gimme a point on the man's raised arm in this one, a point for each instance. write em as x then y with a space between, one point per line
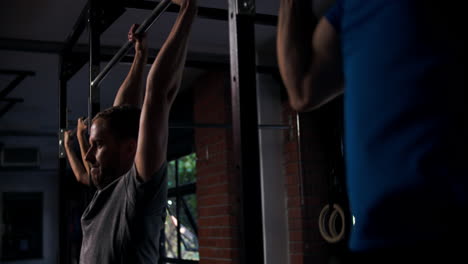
161 89
78 169
309 60
81 130
131 91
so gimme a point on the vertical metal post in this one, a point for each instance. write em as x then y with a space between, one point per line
94 31
245 127
63 245
299 156
179 249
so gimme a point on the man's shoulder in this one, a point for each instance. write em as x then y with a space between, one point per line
158 175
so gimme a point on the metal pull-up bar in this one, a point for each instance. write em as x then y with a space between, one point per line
155 14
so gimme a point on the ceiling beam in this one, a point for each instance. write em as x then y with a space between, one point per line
12 85
28 45
16 72
194 59
12 100
7 108
25 133
205 12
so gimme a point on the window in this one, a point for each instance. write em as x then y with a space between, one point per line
21 229
181 228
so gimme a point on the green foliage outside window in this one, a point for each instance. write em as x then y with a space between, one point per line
186 171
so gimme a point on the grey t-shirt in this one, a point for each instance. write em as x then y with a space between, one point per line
122 223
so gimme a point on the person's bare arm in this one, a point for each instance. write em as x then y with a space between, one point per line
83 141
309 60
131 91
162 85
78 170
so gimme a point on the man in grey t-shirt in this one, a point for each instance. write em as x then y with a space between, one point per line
127 155
123 221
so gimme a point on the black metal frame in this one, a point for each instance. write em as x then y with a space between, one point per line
158 10
11 102
178 261
94 31
244 118
242 19
205 12
20 76
25 133
179 248
77 58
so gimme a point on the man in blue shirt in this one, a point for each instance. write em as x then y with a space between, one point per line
401 64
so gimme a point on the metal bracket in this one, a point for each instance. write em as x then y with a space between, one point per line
246 7
61 136
241 7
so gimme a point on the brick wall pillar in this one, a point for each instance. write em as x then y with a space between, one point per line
217 195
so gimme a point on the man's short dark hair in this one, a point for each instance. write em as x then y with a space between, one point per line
123 120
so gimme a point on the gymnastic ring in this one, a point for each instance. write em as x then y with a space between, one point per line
327 228
338 212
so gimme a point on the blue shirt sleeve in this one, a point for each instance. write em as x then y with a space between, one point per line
334 15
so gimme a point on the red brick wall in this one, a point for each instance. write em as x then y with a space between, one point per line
217 196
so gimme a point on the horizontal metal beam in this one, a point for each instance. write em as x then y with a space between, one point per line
12 85
206 12
7 108
80 51
182 190
28 45
17 72
214 125
20 76
12 100
25 133
178 261
194 59
21 169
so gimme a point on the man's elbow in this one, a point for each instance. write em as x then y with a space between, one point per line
83 179
310 103
303 104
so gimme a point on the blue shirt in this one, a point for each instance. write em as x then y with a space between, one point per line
403 122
